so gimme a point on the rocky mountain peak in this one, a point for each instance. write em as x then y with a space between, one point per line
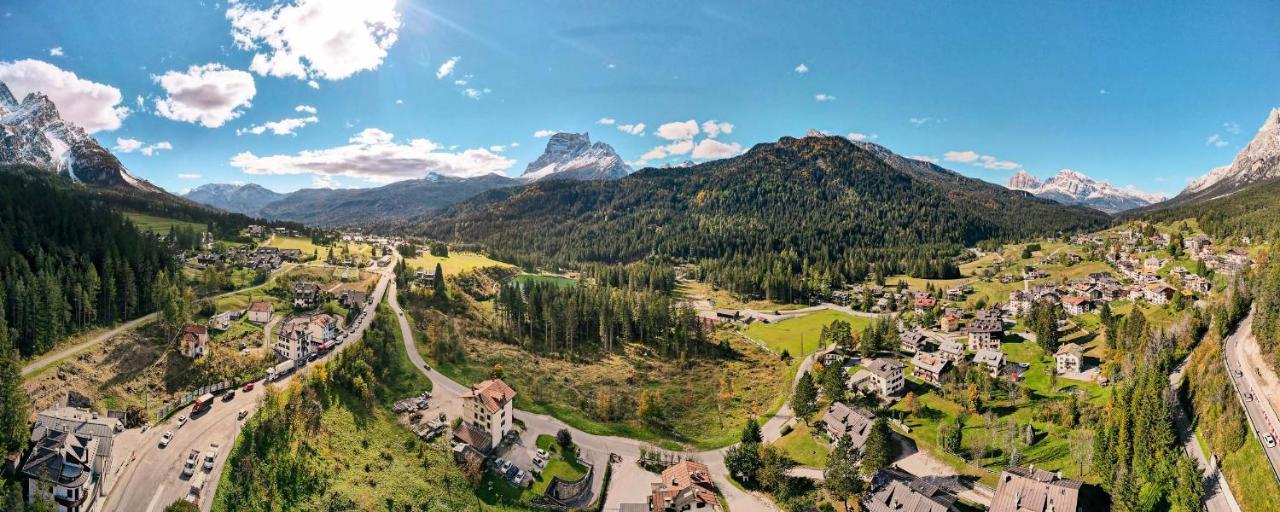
1069 186
1259 161
1023 180
574 156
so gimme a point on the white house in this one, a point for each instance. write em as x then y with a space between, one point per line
488 407
193 340
260 312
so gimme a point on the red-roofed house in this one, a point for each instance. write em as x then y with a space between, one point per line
684 486
193 341
489 407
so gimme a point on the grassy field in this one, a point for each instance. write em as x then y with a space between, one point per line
524 279
302 244
494 490
799 336
724 299
455 263
802 447
1251 482
161 225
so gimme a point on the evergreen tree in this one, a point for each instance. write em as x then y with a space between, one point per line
842 478
804 400
13 399
751 432
438 288
880 450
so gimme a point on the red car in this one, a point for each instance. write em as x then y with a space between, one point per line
247 387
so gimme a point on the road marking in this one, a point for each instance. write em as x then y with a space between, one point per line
151 506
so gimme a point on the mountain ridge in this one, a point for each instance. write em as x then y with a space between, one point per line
1258 162
1073 187
574 156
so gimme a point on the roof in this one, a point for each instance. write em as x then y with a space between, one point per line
912 496
1033 490
985 324
684 485
883 367
63 458
196 329
493 393
852 421
260 306
1075 300
929 362
989 357
911 337
1070 349
473 437
952 347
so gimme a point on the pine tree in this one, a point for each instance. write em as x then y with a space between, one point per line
880 450
13 399
438 287
842 478
751 432
804 401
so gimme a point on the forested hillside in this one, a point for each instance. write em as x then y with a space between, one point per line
781 220
67 263
1253 212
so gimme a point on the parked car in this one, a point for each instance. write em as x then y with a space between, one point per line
1269 439
164 439
231 395
189 467
242 414
539 462
182 420
247 387
209 457
542 454
504 465
519 476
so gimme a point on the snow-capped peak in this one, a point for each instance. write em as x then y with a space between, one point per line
1258 161
1073 187
574 156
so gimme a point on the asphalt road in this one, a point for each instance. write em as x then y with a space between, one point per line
153 478
1247 376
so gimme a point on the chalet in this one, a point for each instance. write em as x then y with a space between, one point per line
473 437
684 486
951 350
992 360
193 340
985 333
1158 293
301 336
352 299
949 322
1076 304
489 407
925 303
1022 489
913 340
1152 264
910 495
1069 358
70 458
294 255
1196 284
842 420
220 321
1196 244
882 376
260 312
929 367
1237 256
1019 303
306 295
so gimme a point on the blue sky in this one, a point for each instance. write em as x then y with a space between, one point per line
1144 93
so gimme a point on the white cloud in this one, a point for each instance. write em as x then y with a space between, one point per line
1103 92
399 102
980 160
1216 141
710 149
474 93
678 130
1231 128
497 148
607 121
863 136
446 68
921 121
713 128
514 144
140 102
188 176
824 97
802 69
209 95
305 108
545 133
459 82
372 155
286 126
924 158
56 51
308 39
633 129
89 105
125 145
313 84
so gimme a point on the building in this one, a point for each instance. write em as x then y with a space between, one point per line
193 340
489 407
913 495
306 295
951 350
1033 490
929 367
842 420
1076 305
684 486
949 322
913 341
985 333
1152 264
260 312
1158 293
352 299
882 376
301 336
1069 358
992 360
70 458
220 321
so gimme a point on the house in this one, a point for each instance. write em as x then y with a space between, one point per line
925 303
1158 293
300 336
992 360
913 341
1022 489
306 295
1196 244
352 299
70 459
1069 358
842 420
260 312
1076 305
1152 264
1237 256
489 407
985 333
929 367
220 321
1196 284
474 437
193 340
949 322
684 486
951 350
910 495
1019 303
882 376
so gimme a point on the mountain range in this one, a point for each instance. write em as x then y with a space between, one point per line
1258 162
1073 187
573 156
32 132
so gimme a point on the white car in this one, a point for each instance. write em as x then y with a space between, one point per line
164 439
182 420
209 457
189 467
542 454
1269 439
